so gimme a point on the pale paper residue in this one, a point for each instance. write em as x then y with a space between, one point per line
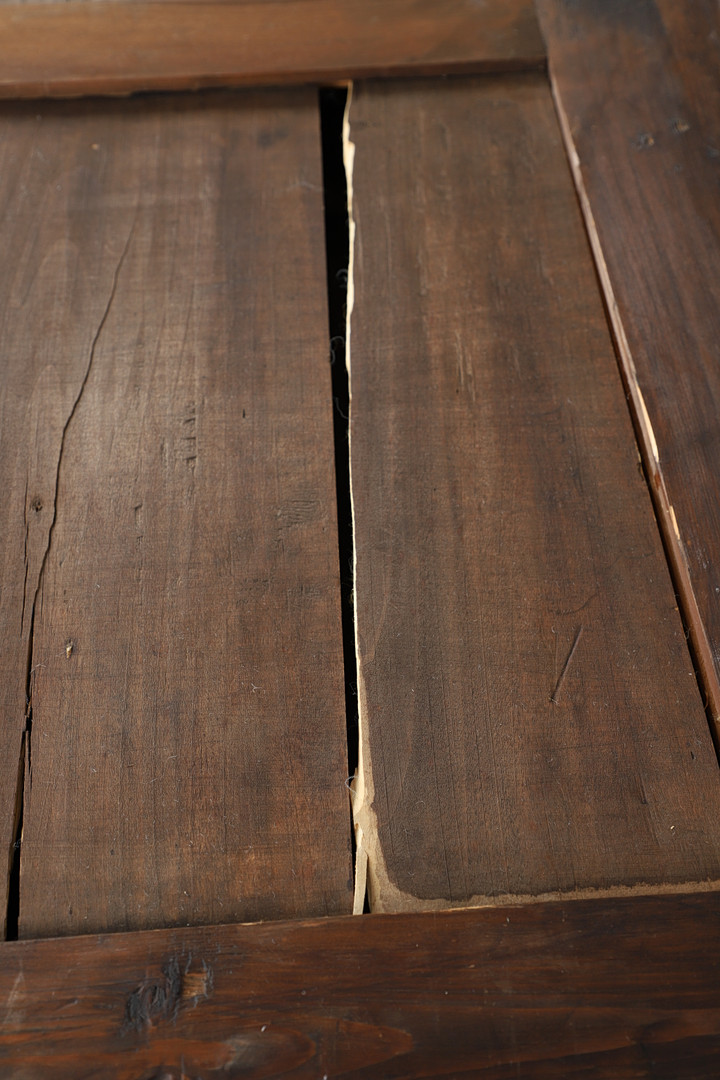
371 874
357 788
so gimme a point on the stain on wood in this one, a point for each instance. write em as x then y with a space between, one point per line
159 999
530 718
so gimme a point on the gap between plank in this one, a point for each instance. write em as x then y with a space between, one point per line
333 105
357 787
698 644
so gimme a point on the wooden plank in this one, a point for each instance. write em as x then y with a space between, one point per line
119 48
602 989
530 719
638 91
169 446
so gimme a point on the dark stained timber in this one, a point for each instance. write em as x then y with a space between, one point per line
530 719
598 989
118 48
637 86
168 519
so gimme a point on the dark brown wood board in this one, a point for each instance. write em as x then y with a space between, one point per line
608 989
638 90
530 719
118 48
168 444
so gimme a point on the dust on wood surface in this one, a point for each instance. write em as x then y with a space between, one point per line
69 49
638 87
603 988
530 719
169 524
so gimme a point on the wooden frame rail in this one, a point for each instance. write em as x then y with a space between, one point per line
624 987
65 50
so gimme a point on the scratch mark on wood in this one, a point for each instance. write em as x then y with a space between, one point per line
556 692
14 1015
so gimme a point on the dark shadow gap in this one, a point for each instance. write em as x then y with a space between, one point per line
337 246
13 900
12 915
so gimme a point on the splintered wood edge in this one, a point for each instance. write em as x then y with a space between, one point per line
649 452
81 48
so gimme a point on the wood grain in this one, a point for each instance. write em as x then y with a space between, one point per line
530 719
169 451
637 85
598 989
119 48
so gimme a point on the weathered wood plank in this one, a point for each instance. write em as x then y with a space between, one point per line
637 85
598 989
119 48
530 719
170 443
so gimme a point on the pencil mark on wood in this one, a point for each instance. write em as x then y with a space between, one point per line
558 685
190 439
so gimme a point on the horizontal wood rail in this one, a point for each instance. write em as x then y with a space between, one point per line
68 50
592 988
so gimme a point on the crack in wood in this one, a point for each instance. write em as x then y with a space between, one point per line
25 764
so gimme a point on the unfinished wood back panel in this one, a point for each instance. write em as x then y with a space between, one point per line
530 720
187 757
638 86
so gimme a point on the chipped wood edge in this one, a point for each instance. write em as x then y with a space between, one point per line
649 452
